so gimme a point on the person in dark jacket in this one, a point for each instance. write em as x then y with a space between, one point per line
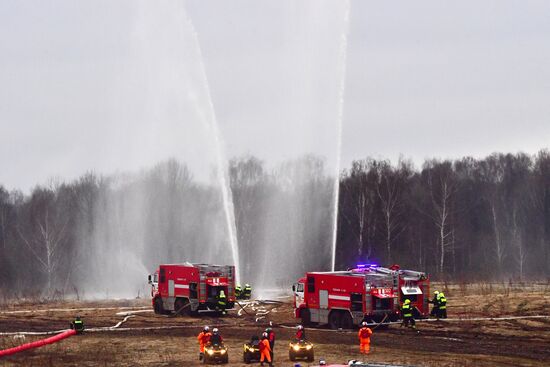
222 302
407 314
442 305
247 291
271 338
216 338
435 302
77 325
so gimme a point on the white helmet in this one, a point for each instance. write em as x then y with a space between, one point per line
264 334
215 330
364 323
300 327
206 328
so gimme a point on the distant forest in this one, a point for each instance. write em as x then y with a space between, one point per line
467 219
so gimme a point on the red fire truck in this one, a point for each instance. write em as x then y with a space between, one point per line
369 293
191 288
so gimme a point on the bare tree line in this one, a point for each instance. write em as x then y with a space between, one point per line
469 218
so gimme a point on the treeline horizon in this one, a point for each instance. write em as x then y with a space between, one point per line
467 219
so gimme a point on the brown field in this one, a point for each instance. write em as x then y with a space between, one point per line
524 342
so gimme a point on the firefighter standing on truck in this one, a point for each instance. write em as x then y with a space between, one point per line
364 338
203 338
265 350
407 314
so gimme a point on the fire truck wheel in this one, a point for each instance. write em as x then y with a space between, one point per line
334 319
346 322
159 309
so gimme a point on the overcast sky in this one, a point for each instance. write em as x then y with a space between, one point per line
118 85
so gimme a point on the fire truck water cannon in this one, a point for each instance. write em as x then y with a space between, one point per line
193 288
368 292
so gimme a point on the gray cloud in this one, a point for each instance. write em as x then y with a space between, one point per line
111 85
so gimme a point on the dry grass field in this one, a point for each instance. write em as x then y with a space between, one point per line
514 342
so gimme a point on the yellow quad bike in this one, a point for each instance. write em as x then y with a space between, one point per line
300 349
215 353
251 350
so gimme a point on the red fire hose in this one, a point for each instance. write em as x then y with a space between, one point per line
38 343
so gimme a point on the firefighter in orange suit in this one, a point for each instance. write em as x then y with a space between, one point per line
265 350
203 338
364 338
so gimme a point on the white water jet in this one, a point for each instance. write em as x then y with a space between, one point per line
221 163
336 188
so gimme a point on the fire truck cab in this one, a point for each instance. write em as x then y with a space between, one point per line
191 288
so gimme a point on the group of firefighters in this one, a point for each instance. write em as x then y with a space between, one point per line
243 293
240 293
206 337
267 342
439 310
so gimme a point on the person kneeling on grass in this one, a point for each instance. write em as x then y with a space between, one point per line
77 325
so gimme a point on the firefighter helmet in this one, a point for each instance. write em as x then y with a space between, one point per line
300 327
215 330
322 362
268 330
407 301
206 328
264 335
436 292
364 323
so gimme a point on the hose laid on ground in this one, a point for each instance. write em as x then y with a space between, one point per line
73 309
38 343
381 322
